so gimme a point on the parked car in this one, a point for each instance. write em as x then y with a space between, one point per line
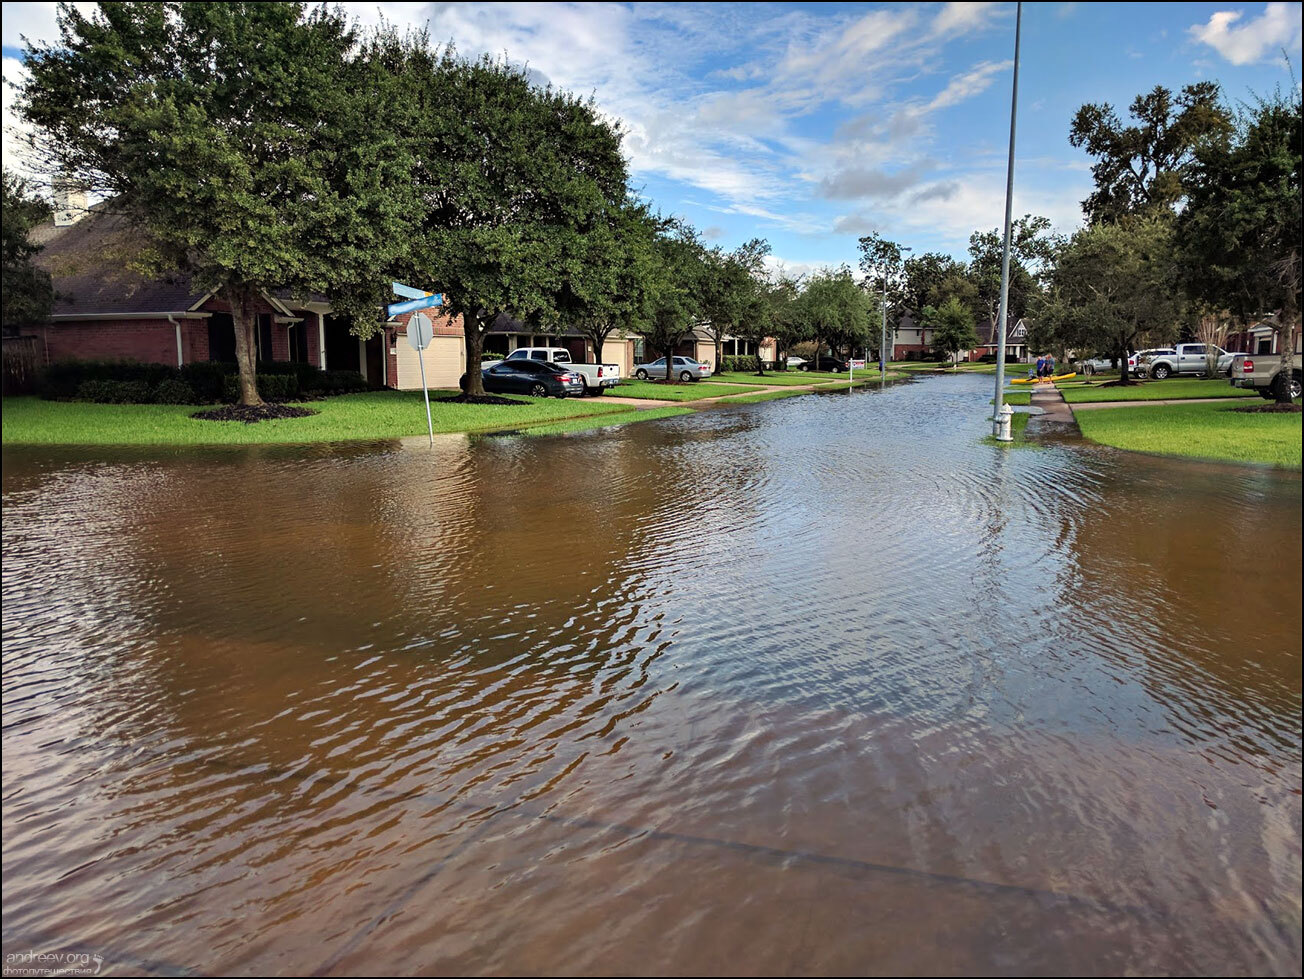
1189 358
537 378
830 364
1138 362
794 363
1262 373
683 368
596 376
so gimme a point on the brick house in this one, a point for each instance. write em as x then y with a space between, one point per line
104 310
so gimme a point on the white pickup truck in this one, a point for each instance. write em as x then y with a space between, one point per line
596 376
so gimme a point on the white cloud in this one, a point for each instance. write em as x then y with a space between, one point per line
1260 39
776 266
973 82
17 157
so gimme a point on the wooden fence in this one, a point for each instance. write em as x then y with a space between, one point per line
21 364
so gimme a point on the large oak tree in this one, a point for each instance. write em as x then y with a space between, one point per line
250 143
1240 231
514 182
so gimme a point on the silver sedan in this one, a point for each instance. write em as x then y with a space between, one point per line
683 369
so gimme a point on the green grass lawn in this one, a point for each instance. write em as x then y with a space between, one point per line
1172 389
1018 430
1016 398
1200 431
764 396
771 378
607 421
691 391
374 415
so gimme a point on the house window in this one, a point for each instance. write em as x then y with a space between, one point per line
298 337
638 350
264 336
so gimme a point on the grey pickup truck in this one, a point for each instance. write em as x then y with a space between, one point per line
1263 373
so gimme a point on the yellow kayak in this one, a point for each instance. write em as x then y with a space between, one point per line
1038 380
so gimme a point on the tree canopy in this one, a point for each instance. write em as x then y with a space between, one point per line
248 142
28 293
1114 284
1148 164
836 310
731 290
1240 231
513 181
952 327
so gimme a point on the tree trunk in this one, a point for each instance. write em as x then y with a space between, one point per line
760 364
244 322
473 341
1286 341
670 361
719 353
1124 376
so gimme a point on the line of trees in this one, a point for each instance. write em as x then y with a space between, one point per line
1193 228
262 147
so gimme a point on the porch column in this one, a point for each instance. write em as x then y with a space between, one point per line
362 358
321 341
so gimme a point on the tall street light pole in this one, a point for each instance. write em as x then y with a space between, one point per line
1003 316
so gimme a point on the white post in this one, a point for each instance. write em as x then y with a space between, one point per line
321 341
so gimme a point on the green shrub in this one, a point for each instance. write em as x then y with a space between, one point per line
114 392
335 382
175 392
63 380
207 378
739 364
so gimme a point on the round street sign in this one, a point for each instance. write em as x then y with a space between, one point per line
419 331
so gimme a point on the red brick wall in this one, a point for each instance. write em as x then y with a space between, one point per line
146 340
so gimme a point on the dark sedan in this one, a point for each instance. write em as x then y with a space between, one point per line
830 364
536 378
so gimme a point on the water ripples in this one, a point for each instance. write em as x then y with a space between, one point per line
510 704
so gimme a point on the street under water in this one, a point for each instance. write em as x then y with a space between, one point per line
825 685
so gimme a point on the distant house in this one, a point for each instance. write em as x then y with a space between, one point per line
105 310
910 338
1260 339
1016 341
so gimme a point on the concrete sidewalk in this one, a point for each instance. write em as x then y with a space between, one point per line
1056 417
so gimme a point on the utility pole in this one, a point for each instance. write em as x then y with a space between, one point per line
1003 316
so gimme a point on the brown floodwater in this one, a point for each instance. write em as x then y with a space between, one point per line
817 686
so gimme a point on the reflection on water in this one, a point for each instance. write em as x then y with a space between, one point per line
819 685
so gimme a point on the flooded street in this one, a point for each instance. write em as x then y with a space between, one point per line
817 686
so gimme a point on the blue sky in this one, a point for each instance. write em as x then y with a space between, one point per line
811 124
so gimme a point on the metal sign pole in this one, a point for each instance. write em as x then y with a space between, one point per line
420 333
430 425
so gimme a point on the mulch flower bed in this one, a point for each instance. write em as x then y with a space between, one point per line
478 399
1271 408
249 414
